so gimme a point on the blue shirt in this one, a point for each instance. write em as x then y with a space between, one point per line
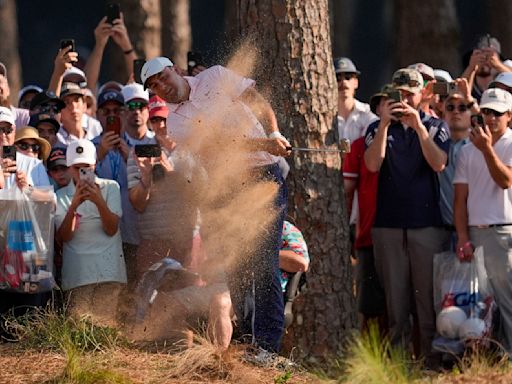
408 189
446 181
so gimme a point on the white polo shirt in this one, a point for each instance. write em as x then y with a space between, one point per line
354 126
487 203
214 100
91 256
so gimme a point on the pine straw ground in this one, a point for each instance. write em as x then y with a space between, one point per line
196 365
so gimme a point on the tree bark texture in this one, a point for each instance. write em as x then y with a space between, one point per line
176 31
500 13
9 48
296 70
428 32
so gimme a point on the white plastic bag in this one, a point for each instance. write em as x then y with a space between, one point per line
26 240
464 285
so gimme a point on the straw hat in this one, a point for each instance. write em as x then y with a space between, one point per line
31 133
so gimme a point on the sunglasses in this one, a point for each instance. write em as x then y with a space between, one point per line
135 105
49 108
487 112
7 131
156 119
25 147
345 76
460 107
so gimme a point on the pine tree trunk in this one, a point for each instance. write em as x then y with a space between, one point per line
176 31
296 69
427 31
9 48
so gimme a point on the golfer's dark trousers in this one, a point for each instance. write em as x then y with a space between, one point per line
258 278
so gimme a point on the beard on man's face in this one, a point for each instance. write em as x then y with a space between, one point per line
4 101
483 71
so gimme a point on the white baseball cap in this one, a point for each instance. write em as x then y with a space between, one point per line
154 66
426 70
134 91
504 78
74 72
496 99
442 75
6 115
81 151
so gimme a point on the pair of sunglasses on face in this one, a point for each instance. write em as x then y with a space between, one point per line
453 107
487 112
26 146
345 76
135 105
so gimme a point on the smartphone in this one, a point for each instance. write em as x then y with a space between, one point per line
193 60
113 124
9 152
64 43
87 174
137 67
443 88
148 150
477 121
113 12
396 96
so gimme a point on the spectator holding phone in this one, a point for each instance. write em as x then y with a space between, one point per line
483 200
87 221
408 148
106 29
18 167
63 61
113 151
483 64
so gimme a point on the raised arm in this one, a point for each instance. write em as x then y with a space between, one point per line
92 68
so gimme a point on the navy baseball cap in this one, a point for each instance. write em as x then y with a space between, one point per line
110 95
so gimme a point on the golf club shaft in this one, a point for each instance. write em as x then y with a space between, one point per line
312 149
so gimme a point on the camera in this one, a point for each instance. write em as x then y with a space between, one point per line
148 150
443 88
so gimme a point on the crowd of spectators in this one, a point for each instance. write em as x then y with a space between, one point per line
431 166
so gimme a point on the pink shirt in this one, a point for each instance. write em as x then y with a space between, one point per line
215 90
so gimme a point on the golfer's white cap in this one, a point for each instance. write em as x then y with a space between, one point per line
152 67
